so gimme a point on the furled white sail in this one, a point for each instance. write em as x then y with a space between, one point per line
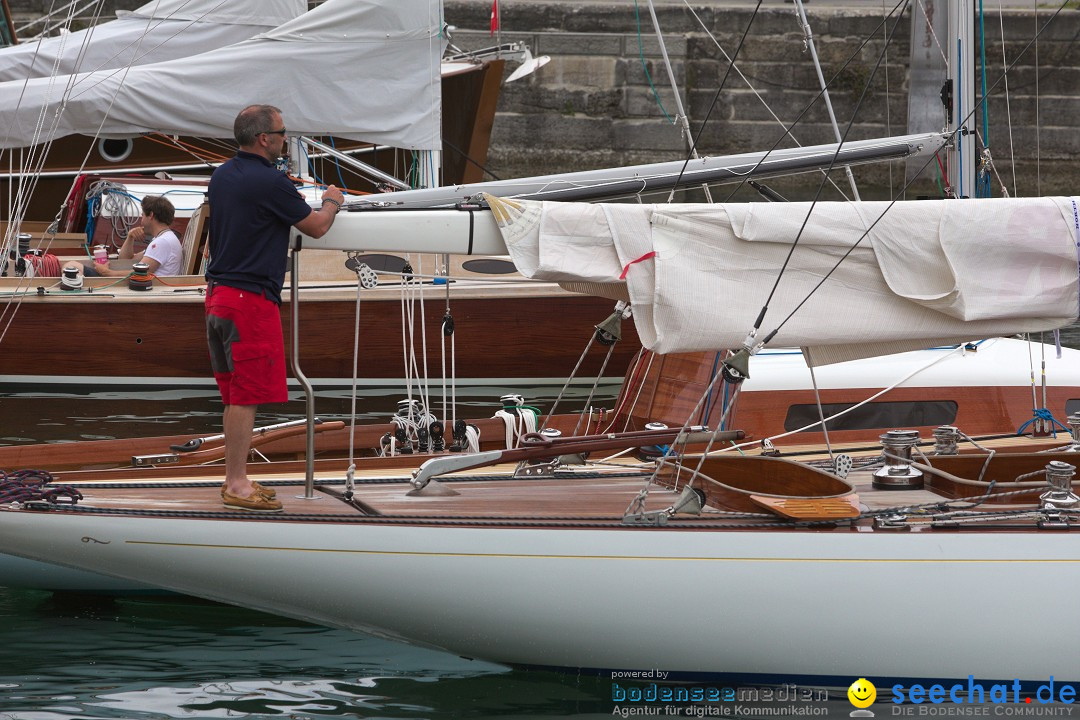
364 70
158 31
925 272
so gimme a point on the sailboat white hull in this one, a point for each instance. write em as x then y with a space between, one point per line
837 603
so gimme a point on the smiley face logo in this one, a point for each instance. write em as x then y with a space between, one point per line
862 693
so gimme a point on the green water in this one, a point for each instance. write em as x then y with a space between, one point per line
85 657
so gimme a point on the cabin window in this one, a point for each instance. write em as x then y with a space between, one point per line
489 266
383 263
115 150
1072 406
877 415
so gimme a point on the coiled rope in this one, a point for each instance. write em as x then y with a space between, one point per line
29 485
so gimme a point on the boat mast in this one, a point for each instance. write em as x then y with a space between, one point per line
961 52
680 112
928 68
809 39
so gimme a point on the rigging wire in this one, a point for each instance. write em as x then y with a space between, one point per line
845 411
953 133
1008 105
1038 123
204 156
35 161
791 250
808 43
816 97
351 472
747 78
87 38
982 184
32 165
930 26
888 108
469 159
157 22
716 98
645 67
39 149
73 13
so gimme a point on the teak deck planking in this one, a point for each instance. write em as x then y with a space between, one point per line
485 494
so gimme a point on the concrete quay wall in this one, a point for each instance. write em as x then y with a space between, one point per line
602 99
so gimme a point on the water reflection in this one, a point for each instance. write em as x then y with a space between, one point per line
50 417
142 658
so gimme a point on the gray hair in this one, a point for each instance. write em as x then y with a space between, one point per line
252 121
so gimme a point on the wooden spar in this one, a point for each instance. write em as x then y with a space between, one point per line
539 447
331 443
197 443
259 438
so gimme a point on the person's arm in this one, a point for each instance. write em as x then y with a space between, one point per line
127 250
150 262
106 271
319 221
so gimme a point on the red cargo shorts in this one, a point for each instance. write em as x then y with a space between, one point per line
247 351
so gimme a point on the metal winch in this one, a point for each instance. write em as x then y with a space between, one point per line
898 472
1074 430
1060 496
946 438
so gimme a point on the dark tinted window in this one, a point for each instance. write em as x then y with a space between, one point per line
489 266
1072 406
883 415
382 263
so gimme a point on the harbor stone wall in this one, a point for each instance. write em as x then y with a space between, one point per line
605 98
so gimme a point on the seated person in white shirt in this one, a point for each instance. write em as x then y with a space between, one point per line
163 255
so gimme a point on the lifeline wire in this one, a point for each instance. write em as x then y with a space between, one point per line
716 98
893 202
40 149
746 79
819 94
809 212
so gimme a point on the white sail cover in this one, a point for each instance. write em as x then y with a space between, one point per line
924 273
361 69
158 31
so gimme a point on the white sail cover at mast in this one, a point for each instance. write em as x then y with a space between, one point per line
927 272
159 30
362 69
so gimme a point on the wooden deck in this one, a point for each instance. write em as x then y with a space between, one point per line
489 493
590 495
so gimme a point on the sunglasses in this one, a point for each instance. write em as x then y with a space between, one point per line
281 132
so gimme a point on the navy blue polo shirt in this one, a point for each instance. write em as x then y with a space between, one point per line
252 208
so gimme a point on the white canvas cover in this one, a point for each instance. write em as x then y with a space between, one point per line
362 69
158 31
926 273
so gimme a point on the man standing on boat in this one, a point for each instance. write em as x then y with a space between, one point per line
252 207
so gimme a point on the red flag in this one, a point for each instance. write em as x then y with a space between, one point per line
494 16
